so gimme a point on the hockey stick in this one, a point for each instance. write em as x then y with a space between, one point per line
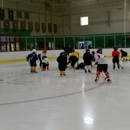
103 75
121 66
27 60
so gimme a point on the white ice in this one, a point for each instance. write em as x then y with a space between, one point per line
46 101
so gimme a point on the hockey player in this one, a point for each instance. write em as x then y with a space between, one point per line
73 59
68 49
80 66
93 53
45 63
41 57
87 57
93 59
102 65
32 57
62 63
123 55
115 60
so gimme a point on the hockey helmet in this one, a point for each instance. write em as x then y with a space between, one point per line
99 51
44 51
93 52
115 48
62 54
87 50
33 50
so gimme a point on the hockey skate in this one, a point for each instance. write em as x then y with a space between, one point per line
113 66
48 67
96 80
35 72
63 73
44 69
108 80
89 71
118 66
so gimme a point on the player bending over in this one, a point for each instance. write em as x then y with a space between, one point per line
45 63
41 57
73 59
124 55
102 65
80 66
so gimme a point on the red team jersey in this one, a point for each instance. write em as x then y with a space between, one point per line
115 54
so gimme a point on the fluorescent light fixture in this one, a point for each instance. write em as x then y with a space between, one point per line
84 21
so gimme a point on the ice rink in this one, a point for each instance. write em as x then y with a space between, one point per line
46 101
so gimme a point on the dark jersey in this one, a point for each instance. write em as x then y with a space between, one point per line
87 57
115 54
62 60
32 57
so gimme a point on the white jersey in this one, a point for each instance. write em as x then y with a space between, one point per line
45 60
100 58
42 54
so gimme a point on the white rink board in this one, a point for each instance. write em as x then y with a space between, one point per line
50 53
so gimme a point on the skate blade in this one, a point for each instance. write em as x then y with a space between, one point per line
109 81
96 82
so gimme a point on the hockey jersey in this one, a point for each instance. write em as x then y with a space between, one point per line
100 58
62 60
45 59
76 54
115 54
32 57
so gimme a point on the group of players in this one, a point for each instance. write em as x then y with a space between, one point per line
63 61
88 58
33 57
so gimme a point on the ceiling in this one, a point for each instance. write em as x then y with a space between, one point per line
65 3
57 2
74 5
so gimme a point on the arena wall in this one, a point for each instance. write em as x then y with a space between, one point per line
9 57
